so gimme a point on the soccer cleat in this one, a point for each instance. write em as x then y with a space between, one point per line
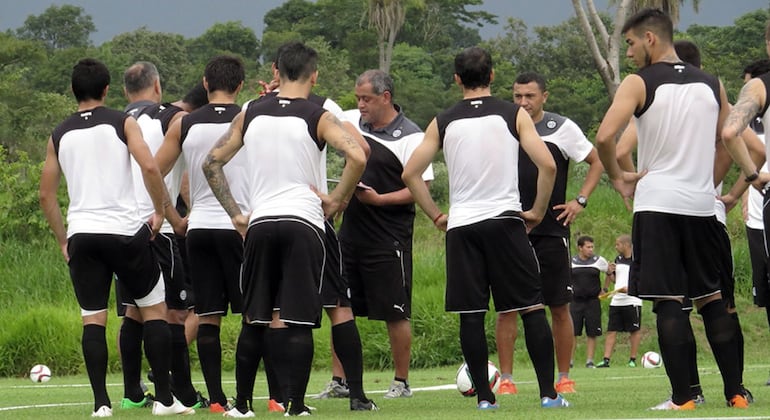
699 399
632 363
201 401
507 387
590 365
669 405
747 394
398 389
603 364
362 405
274 406
558 402
334 389
565 386
126 403
486 405
176 407
305 411
234 412
738 401
103 411
218 408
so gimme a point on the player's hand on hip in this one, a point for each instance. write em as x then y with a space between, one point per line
241 223
156 221
181 228
626 186
569 211
531 219
761 182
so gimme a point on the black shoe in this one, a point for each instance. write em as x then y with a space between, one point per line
362 405
747 394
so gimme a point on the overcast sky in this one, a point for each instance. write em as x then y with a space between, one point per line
192 17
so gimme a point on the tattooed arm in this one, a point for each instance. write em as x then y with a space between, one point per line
331 130
751 100
224 150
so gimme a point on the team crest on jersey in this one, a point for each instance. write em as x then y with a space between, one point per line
183 295
551 124
284 102
219 109
86 115
397 132
476 103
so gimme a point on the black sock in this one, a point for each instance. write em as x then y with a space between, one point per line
537 334
347 345
296 359
180 366
94 345
673 324
692 350
247 356
157 347
276 367
131 358
210 356
607 360
473 342
721 329
739 344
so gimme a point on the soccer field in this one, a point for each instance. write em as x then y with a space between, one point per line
614 393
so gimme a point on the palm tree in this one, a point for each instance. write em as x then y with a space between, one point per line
387 17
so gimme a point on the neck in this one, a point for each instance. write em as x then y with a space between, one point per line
90 104
668 55
295 89
145 95
478 92
538 117
222 97
386 119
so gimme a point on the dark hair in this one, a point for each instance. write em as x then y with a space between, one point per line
296 61
474 67
381 82
140 76
529 77
225 73
653 20
197 96
757 68
688 52
89 79
583 239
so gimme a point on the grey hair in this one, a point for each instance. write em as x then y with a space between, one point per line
379 80
140 76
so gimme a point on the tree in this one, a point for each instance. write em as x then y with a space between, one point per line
386 17
606 51
230 38
59 27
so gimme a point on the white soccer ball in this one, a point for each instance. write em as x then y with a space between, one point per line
465 383
40 373
652 360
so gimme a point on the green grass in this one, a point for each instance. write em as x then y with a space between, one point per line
617 392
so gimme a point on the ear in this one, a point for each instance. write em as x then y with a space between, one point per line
106 89
156 86
205 84
458 82
492 76
545 96
314 78
238 89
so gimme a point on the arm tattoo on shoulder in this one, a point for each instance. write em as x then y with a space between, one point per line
742 113
331 118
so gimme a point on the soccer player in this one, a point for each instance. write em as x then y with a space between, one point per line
284 255
678 111
376 232
105 234
214 247
550 239
625 310
487 245
586 310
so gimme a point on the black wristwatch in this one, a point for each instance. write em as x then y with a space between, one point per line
582 200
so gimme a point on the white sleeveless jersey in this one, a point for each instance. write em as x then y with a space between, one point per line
93 154
677 134
756 199
201 129
284 153
481 148
154 121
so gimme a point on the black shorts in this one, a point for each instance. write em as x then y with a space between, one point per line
181 244
215 257
494 254
676 256
626 318
335 291
167 253
759 274
94 258
588 313
380 282
283 271
555 270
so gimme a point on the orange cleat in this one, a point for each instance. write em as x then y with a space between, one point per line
565 386
507 387
274 406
